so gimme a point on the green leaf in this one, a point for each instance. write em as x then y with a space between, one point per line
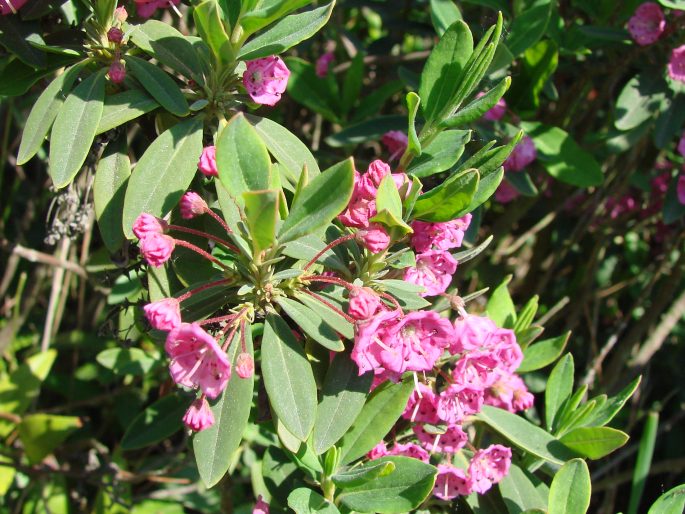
613 405
640 100
388 198
332 318
124 107
543 353
305 501
449 200
400 491
74 129
109 191
42 433
307 247
281 474
562 157
163 173
126 361
443 14
379 414
159 421
285 146
320 201
529 27
670 121
570 489
16 78
360 475
261 211
288 377
440 154
210 27
320 94
559 387
20 388
525 435
443 71
17 36
500 308
478 106
311 324
538 65
369 105
286 33
160 85
267 12
671 502
352 85
242 159
644 461
519 492
413 145
170 47
44 112
594 442
368 130
214 447
407 297
673 210
343 396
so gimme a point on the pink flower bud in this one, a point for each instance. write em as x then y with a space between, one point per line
156 248
199 416
396 142
244 365
377 170
647 24
121 14
261 507
147 8
11 6
323 63
676 65
117 72
680 189
146 224
266 79
192 205
523 154
364 303
163 314
115 35
497 112
207 164
375 238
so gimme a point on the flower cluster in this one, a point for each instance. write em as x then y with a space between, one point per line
483 360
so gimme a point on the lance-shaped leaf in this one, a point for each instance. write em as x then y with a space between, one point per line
413 143
559 387
520 491
163 173
478 107
242 159
594 442
319 202
160 85
159 421
124 107
74 129
449 200
362 474
311 324
441 153
288 377
570 489
305 501
286 33
215 446
329 316
261 211
42 433
207 16
543 353
268 12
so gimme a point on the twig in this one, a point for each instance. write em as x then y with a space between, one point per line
57 283
50 260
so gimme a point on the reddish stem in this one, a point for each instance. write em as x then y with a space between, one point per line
200 233
200 251
391 299
203 287
218 319
243 348
329 305
447 378
220 220
329 280
227 343
328 247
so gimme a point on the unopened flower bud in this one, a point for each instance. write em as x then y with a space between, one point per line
244 365
375 238
120 14
157 248
164 314
146 224
115 35
207 164
199 416
192 205
363 303
117 72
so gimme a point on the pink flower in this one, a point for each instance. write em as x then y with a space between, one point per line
207 164
502 343
199 416
475 369
676 66
402 183
261 507
377 170
368 341
451 482
396 142
421 409
147 8
375 238
244 365
266 79
453 440
497 112
489 467
164 314
197 360
442 236
472 332
117 72
647 24
378 451
323 62
506 193
11 6
147 224
192 205
456 402
156 248
509 392
410 450
433 271
115 35
363 303
680 189
523 154
681 145
121 14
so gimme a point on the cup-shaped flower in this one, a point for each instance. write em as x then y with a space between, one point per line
156 248
676 65
266 79
440 236
453 440
509 392
647 24
421 406
378 451
197 360
451 482
199 416
472 332
433 271
164 314
207 164
489 467
192 205
412 450
457 401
